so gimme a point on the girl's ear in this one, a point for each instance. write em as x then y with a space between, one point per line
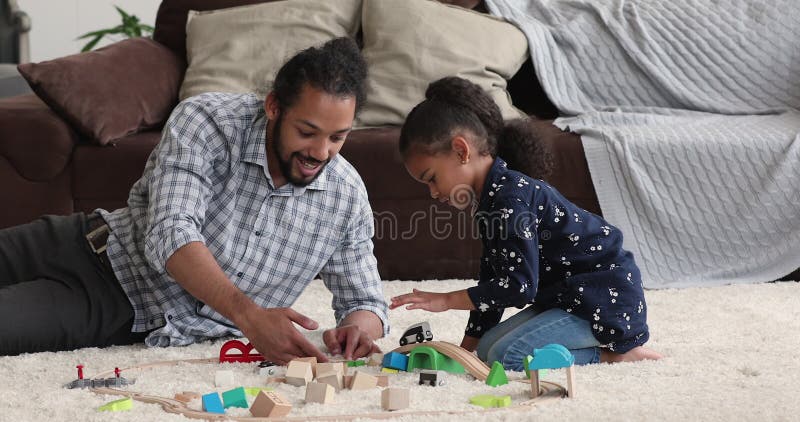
271 106
460 146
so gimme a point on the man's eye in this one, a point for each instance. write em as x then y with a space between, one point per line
306 134
338 138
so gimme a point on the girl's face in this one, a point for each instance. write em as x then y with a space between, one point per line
447 178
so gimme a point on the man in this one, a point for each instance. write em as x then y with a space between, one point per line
242 203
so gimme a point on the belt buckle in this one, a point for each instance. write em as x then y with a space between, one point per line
91 235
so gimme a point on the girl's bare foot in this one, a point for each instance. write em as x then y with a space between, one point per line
633 355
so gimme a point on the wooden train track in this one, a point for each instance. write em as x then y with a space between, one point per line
549 391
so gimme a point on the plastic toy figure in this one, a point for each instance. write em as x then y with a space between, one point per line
417 333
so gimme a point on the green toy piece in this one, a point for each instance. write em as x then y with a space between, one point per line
497 376
425 357
488 400
117 405
355 363
526 362
253 391
235 398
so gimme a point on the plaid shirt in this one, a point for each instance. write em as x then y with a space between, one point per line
207 181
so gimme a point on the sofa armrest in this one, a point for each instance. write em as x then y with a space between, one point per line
34 140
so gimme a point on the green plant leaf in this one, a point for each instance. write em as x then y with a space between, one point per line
122 12
90 45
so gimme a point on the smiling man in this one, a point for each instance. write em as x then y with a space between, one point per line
243 202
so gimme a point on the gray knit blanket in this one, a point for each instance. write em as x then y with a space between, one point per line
688 113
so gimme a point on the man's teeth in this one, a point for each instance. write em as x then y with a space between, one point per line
308 165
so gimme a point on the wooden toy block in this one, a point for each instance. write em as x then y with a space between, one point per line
117 405
347 381
318 392
390 370
394 398
313 361
270 404
332 378
383 380
299 373
186 396
326 367
363 381
497 376
212 403
235 398
375 359
535 384
224 379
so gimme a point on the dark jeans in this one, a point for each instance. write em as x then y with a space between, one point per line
55 293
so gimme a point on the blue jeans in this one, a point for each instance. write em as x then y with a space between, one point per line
513 339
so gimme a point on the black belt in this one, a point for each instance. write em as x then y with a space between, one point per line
97 235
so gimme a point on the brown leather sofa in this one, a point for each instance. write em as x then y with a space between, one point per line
47 167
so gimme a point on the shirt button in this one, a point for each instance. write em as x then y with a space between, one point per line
258 233
169 317
239 274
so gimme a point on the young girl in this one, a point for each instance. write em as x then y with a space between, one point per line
584 289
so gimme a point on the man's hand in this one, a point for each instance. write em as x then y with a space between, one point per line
350 341
273 334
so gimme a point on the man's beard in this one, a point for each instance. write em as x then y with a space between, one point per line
286 165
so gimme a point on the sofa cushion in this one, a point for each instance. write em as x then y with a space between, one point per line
85 88
258 40
35 141
443 40
172 14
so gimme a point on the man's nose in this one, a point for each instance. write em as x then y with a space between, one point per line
320 150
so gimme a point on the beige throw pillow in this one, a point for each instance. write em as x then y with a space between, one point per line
410 43
240 49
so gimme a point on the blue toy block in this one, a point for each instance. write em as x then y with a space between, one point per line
551 356
395 360
213 403
235 398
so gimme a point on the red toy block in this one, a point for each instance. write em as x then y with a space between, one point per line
247 354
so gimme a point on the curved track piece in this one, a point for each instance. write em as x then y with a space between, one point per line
467 359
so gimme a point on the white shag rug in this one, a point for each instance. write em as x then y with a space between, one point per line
732 354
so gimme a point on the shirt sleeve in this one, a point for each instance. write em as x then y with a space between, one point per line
351 274
513 258
179 186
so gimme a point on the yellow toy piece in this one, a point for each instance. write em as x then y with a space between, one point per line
117 405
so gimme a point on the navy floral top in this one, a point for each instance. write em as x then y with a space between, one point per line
540 248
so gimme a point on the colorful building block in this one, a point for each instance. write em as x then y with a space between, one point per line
488 400
355 363
424 357
551 356
212 403
389 370
117 405
270 404
394 398
253 391
235 398
395 360
497 375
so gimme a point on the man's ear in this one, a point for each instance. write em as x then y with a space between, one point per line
271 106
460 146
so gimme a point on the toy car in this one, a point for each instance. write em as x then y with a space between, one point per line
431 377
417 333
266 368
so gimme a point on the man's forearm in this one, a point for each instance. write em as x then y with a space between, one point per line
197 271
367 321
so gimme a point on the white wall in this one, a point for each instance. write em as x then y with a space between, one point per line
57 23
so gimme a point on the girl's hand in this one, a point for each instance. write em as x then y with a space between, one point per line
429 301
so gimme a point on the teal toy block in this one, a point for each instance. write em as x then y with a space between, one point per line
424 357
526 362
235 398
212 403
497 375
551 356
395 360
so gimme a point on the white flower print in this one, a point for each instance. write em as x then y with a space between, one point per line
483 307
503 282
606 230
